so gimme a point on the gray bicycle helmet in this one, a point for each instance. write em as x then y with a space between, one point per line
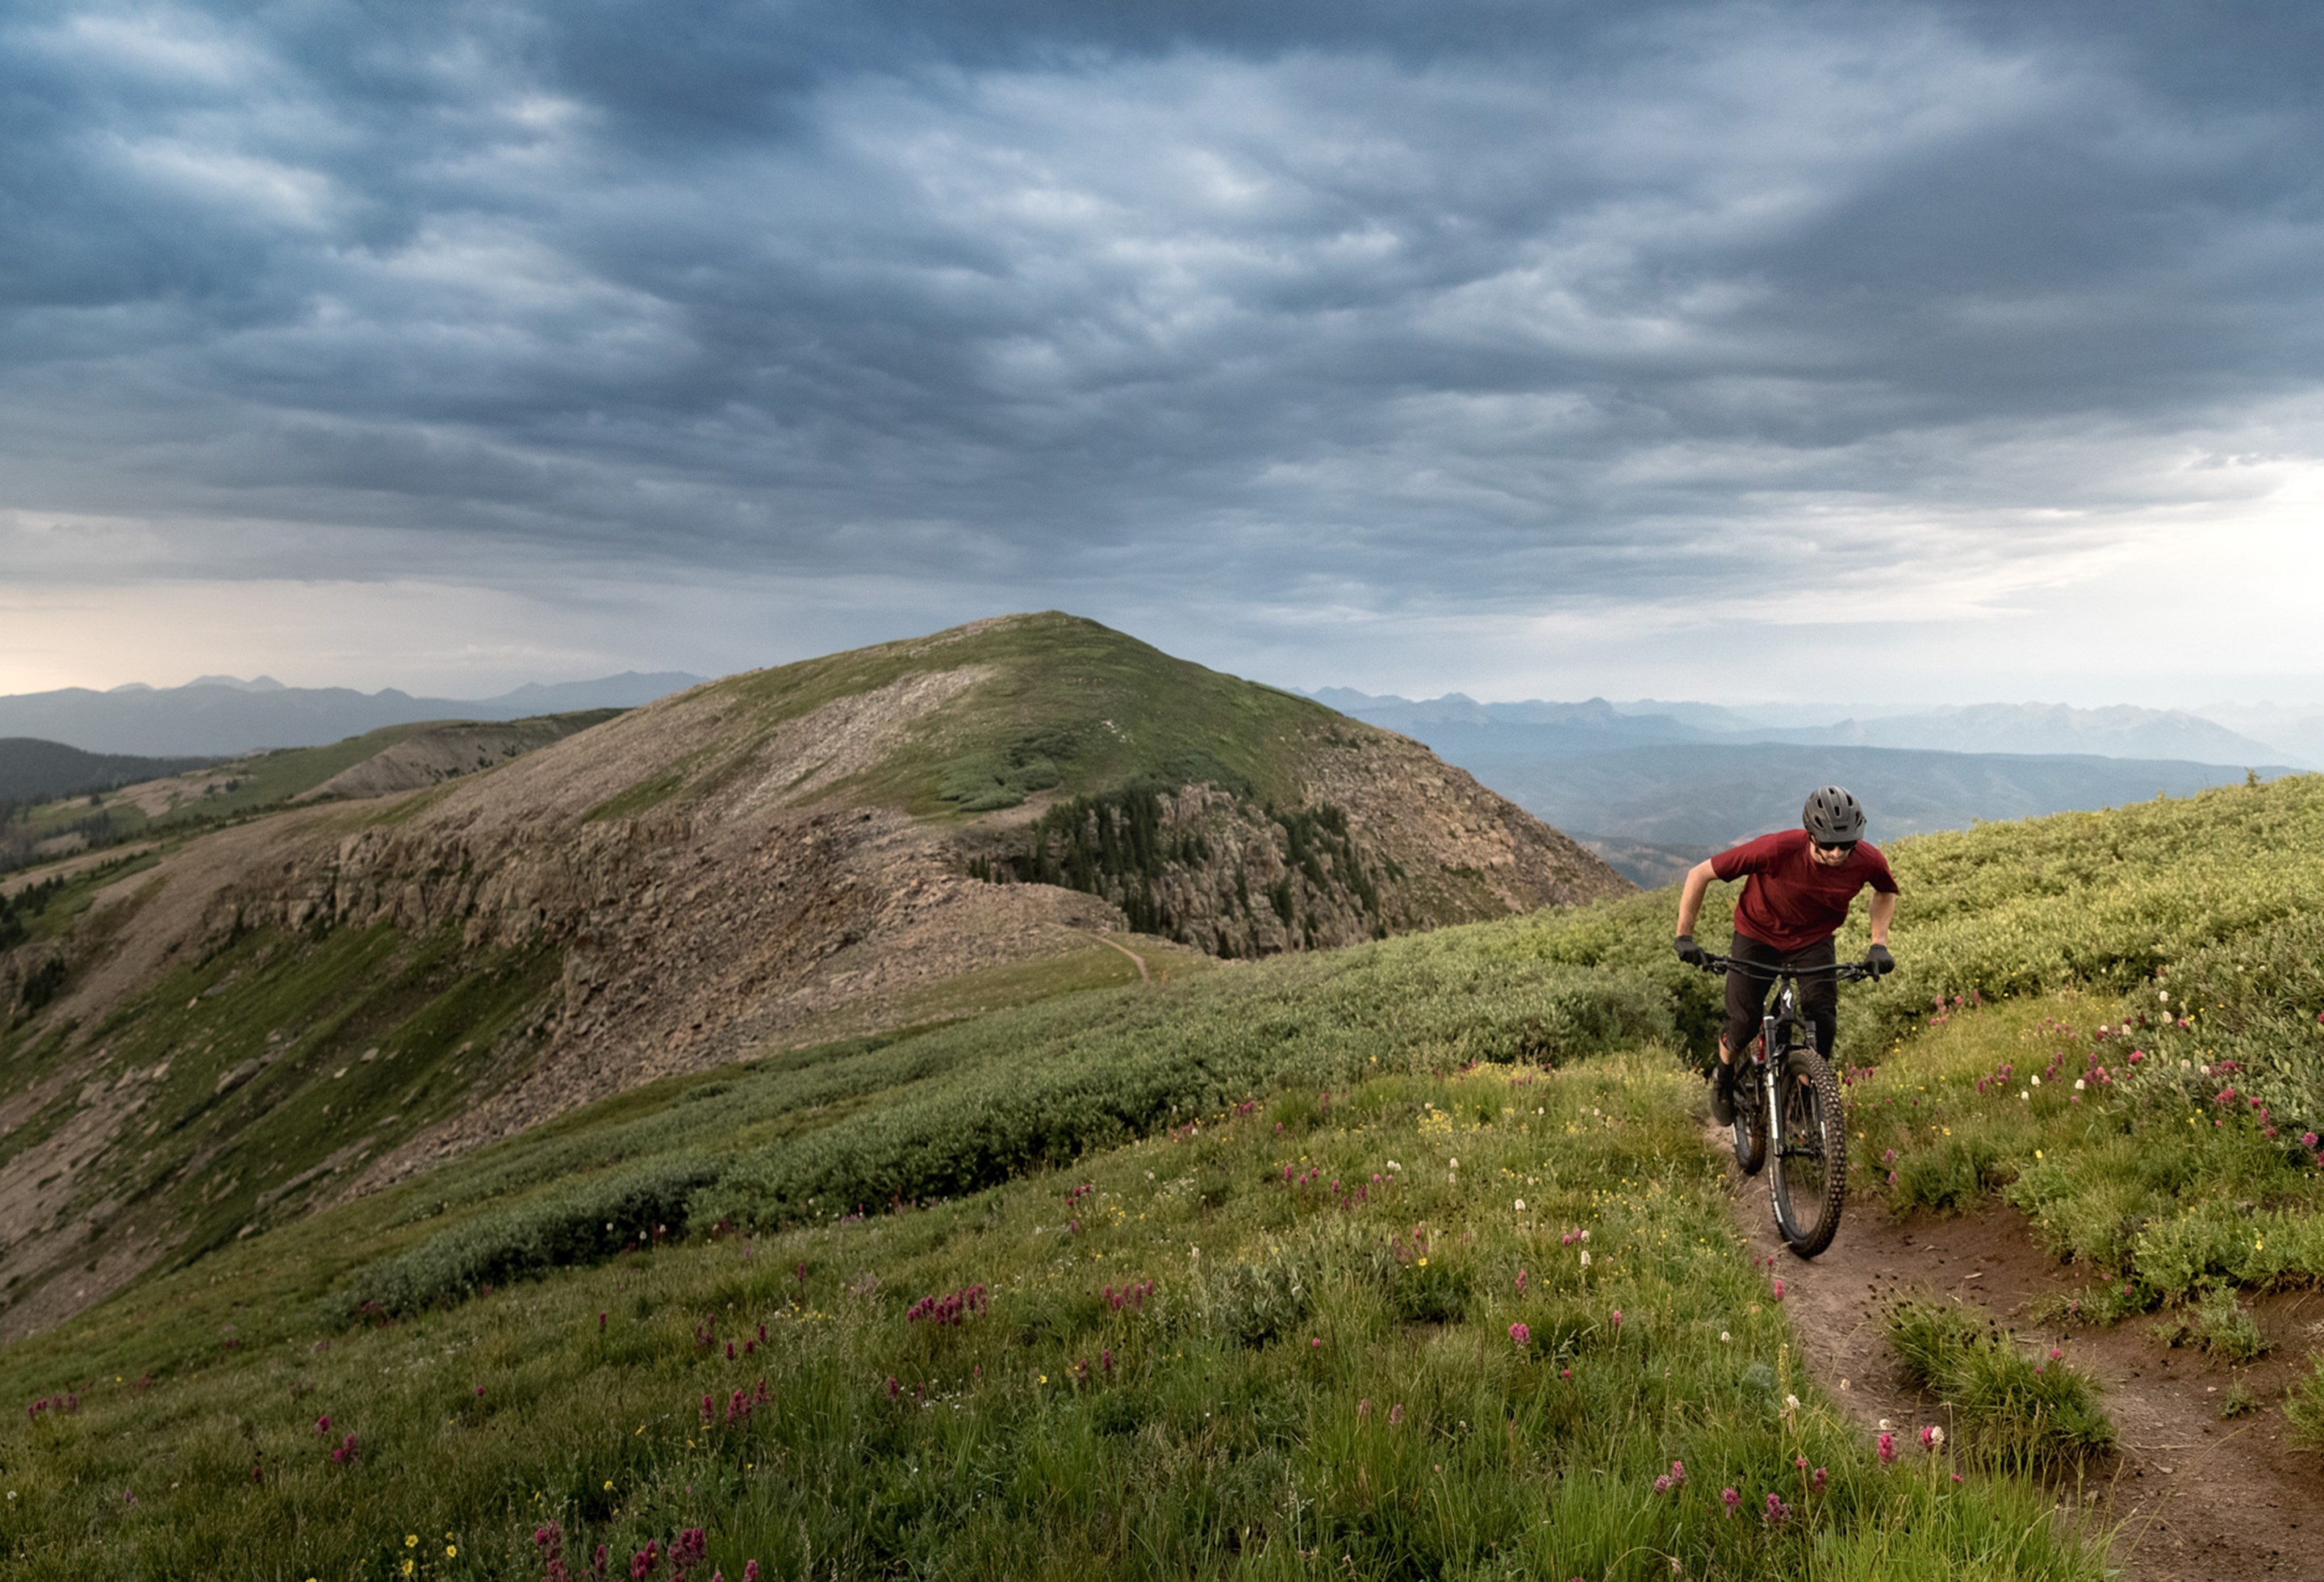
1832 816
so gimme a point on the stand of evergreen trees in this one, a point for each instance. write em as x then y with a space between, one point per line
1114 845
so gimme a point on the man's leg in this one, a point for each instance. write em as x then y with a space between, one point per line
1746 1000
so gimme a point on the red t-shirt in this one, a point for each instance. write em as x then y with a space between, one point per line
1792 900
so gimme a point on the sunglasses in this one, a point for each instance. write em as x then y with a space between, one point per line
1841 848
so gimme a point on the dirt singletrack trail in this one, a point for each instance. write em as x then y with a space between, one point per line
1135 958
2194 1497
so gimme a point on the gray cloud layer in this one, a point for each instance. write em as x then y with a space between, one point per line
1486 306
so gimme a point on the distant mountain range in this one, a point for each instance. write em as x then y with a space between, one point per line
2118 732
221 716
1654 787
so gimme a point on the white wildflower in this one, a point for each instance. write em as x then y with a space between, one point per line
2037 1080
1520 1206
1791 1404
1585 1257
2078 1085
1724 1337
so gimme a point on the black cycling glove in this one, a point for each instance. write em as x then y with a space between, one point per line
1692 954
1878 960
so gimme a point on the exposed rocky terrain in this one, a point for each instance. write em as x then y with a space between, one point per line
446 752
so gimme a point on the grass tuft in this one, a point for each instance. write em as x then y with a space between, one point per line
2015 1413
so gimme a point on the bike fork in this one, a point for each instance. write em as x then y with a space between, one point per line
1769 1098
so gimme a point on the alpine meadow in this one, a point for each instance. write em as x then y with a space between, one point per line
1332 1234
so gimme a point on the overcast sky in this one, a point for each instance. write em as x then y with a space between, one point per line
1863 352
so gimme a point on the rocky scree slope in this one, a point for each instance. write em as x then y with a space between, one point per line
722 873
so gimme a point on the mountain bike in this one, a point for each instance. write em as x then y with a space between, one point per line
1787 1110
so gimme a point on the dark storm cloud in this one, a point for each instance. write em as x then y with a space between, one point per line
1382 306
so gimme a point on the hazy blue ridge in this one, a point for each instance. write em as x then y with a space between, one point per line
219 717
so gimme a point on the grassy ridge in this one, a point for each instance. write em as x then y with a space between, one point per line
1069 705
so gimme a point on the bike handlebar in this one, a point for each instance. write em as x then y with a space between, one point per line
1842 971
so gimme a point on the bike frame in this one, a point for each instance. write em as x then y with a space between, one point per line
1781 1015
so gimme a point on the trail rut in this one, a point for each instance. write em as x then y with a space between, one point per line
2192 1497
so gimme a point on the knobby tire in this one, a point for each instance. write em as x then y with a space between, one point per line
1810 1180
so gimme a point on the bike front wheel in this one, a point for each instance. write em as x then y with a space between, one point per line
1810 1179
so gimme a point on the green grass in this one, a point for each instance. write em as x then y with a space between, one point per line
2023 1413
2217 1323
1274 1406
2303 1406
253 1071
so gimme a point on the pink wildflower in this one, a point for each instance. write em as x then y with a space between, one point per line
1779 1289
1520 1336
1887 1448
1733 1501
1396 1416
1817 1479
1521 1273
1777 1511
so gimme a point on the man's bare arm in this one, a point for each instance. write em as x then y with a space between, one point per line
1690 898
1884 907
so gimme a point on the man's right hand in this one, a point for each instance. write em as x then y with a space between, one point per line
1692 954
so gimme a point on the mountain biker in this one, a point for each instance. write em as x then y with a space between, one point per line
1798 886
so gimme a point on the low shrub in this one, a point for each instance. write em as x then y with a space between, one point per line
579 1222
2217 1323
1041 1087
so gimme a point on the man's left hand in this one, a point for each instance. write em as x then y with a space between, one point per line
1878 960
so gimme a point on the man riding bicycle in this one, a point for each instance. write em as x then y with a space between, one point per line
1798 886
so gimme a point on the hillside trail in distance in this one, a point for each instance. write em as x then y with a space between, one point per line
2194 1497
1135 958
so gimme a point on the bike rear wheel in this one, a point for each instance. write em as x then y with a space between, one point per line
1750 1125
1810 1179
